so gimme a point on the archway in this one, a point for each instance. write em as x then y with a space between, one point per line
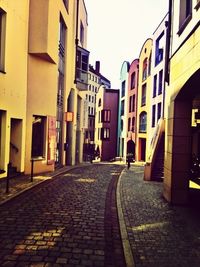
179 148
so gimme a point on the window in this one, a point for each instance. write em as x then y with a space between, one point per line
159 111
129 124
122 125
38 136
99 116
160 44
133 80
123 88
130 103
122 107
2 39
143 122
160 82
133 104
133 124
197 5
105 133
81 33
82 60
144 70
185 14
99 104
153 116
149 65
144 89
66 3
154 85
105 115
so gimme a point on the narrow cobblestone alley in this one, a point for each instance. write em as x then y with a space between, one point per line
68 221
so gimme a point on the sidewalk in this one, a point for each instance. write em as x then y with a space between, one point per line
21 183
159 234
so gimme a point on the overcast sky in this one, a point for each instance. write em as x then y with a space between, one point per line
117 29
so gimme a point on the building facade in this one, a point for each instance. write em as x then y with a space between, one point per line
106 122
13 83
143 105
123 111
132 107
44 79
182 140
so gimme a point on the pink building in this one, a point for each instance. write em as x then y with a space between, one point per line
106 121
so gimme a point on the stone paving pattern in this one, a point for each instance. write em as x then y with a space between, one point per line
161 235
63 221
71 220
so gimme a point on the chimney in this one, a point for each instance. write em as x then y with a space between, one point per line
97 67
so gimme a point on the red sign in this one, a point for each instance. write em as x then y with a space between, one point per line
51 140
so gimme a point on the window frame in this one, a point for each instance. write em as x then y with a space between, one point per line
185 18
105 133
38 136
3 15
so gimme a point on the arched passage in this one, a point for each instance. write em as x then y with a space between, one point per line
179 145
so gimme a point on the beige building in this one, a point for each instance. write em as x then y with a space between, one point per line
40 103
143 104
13 83
182 140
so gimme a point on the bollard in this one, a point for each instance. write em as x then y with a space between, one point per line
32 162
8 178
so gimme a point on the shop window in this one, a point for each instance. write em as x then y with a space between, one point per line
38 136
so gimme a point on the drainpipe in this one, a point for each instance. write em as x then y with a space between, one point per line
167 53
76 38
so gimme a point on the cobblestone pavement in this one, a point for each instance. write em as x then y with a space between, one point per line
160 235
70 220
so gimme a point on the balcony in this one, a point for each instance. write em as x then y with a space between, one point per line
82 65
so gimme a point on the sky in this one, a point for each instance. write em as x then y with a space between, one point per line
117 30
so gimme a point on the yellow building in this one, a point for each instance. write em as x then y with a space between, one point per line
40 81
13 83
144 96
182 140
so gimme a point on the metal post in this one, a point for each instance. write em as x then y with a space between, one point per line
8 178
32 162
